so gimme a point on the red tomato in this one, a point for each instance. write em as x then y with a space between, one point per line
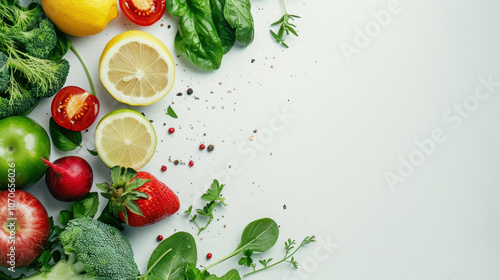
74 108
143 12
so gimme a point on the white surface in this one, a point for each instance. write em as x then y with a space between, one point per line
351 122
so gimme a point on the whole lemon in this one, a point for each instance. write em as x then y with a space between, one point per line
82 17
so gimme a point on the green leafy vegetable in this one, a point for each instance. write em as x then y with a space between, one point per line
171 112
247 258
238 14
86 206
64 139
258 236
288 258
232 274
169 259
285 27
226 32
197 38
93 152
214 198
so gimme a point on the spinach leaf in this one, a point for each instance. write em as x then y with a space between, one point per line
64 139
197 38
238 14
232 274
226 32
62 46
259 235
170 258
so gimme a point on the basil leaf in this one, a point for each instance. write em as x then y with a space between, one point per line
259 235
65 216
239 15
197 38
64 139
171 112
169 259
232 274
226 32
62 46
86 206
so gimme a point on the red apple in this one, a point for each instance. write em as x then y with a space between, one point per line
24 228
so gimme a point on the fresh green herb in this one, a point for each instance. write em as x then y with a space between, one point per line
214 198
51 253
169 259
288 258
64 139
93 152
226 32
285 27
86 206
258 236
246 260
238 14
171 112
197 38
232 274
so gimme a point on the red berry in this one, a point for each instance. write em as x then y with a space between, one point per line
163 168
191 163
171 130
159 237
209 255
202 147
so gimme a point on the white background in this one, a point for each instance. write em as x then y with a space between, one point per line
355 118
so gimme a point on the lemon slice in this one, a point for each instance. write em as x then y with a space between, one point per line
137 68
126 138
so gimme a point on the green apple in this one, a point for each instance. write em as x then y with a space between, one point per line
22 143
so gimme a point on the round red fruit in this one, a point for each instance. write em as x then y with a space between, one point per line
171 130
209 255
202 147
143 12
74 108
191 163
30 230
163 168
159 237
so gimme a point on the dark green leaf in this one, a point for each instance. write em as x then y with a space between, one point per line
62 46
107 217
65 216
282 19
93 152
193 273
233 274
133 207
238 14
259 235
190 209
171 112
226 32
173 265
197 39
64 139
86 206
214 193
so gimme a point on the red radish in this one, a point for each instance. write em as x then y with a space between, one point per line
68 178
29 232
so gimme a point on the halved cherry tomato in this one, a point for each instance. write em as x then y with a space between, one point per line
74 108
143 12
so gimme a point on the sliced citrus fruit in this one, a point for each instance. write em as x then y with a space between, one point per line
126 138
137 68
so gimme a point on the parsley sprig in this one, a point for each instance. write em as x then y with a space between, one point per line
290 250
214 198
285 27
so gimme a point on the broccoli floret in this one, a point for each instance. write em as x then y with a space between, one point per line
38 42
95 251
19 17
4 71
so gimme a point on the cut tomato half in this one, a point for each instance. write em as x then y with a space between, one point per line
74 108
143 12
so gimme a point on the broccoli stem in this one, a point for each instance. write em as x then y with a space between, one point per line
92 88
63 270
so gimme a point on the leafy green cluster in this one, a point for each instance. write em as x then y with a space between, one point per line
208 29
214 198
95 251
30 62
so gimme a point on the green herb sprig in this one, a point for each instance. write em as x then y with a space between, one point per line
285 28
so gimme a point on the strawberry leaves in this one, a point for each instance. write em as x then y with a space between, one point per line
123 193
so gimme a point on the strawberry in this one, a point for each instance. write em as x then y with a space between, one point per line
138 198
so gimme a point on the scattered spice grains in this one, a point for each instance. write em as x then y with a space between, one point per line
176 162
171 130
284 206
210 148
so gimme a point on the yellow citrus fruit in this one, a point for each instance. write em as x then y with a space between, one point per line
126 138
82 17
137 68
